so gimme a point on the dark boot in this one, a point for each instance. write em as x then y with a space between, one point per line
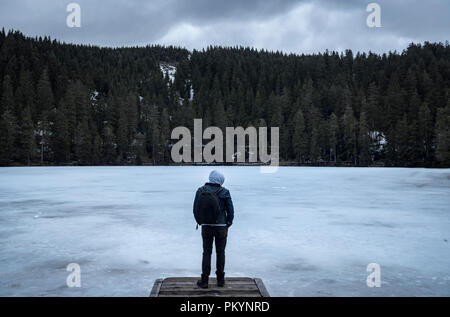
203 282
220 279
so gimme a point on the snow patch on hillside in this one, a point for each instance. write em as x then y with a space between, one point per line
191 97
379 141
168 70
94 95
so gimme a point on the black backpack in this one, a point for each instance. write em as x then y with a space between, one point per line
207 207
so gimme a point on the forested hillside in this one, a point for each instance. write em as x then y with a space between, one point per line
72 104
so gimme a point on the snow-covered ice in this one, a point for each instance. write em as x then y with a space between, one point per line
304 231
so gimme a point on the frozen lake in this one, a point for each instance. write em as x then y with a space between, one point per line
304 231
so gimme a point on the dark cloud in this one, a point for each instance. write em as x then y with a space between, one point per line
292 26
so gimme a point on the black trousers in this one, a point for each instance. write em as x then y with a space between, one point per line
219 235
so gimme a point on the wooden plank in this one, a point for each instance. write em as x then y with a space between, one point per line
213 278
231 295
195 279
210 293
215 289
262 288
187 287
207 291
237 284
156 288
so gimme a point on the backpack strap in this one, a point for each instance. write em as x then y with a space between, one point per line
218 191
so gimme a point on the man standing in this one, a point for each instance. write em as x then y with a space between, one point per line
213 210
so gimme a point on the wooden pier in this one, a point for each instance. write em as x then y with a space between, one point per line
187 287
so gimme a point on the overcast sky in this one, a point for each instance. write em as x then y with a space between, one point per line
293 26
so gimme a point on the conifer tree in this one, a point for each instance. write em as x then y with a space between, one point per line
315 121
44 134
156 150
403 149
132 116
83 143
443 135
68 103
96 154
373 111
7 102
164 135
299 143
333 128
45 99
8 130
122 132
349 125
61 137
364 139
314 154
426 133
27 137
25 95
109 145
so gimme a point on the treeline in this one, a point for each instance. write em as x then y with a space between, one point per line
63 103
